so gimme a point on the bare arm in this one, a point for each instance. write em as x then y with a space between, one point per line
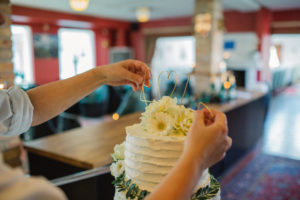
51 99
205 145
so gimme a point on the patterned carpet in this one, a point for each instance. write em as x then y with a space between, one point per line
262 177
272 170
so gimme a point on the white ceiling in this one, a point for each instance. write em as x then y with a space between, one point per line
125 9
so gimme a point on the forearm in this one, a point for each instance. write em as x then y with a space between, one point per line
180 182
51 99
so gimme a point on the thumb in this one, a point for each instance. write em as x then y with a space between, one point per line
138 79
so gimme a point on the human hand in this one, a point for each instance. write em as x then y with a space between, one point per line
128 72
208 141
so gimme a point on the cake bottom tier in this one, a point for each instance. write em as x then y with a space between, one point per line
211 194
122 196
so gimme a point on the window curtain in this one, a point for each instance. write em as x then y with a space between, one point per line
150 44
152 34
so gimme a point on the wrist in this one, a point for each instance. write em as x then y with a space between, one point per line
100 75
195 162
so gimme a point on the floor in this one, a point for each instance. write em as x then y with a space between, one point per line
271 171
282 129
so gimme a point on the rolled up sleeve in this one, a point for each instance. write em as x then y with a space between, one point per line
16 111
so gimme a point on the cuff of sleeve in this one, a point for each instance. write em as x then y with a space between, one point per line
22 110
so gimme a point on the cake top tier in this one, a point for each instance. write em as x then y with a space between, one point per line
166 117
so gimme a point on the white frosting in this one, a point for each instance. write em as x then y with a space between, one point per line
150 157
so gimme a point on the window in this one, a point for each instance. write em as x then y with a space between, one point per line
76 51
22 54
285 50
172 53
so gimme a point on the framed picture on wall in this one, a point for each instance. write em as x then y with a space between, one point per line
45 45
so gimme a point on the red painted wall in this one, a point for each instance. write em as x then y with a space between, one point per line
136 41
287 15
239 22
46 70
291 20
102 43
121 38
48 22
39 16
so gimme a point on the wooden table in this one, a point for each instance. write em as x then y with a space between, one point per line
87 147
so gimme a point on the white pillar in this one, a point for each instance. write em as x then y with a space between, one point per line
208 31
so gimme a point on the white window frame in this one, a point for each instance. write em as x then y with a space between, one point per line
27 51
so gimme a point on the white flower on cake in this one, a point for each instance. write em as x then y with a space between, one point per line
184 120
165 117
160 123
117 168
118 152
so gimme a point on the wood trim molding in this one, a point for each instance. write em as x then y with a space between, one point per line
285 24
174 30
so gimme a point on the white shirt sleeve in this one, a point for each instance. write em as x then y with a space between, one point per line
16 112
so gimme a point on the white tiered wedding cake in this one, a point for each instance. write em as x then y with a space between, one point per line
152 149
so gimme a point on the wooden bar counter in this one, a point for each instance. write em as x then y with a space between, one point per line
243 98
245 117
87 147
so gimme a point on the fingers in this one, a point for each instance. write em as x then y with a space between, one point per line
143 76
140 68
135 78
222 117
229 143
223 156
209 114
134 87
209 119
208 122
220 121
227 146
199 118
203 118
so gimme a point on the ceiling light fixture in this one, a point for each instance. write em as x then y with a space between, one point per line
79 5
143 14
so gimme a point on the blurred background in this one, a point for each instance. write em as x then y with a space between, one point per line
241 57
